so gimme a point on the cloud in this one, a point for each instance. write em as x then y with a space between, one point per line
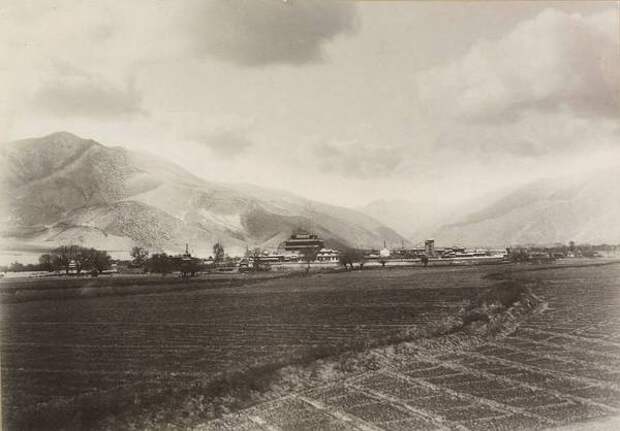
226 144
355 159
552 62
261 32
76 93
533 135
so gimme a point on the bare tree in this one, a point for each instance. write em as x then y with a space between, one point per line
255 255
309 255
218 253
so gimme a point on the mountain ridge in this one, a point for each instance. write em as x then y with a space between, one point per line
579 208
62 188
582 208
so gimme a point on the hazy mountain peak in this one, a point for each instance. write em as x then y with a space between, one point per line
63 135
583 208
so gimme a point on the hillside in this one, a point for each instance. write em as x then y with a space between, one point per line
585 209
61 188
414 220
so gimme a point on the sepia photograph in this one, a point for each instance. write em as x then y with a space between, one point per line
308 215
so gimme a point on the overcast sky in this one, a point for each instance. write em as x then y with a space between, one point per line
340 102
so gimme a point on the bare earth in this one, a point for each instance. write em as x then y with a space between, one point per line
560 368
68 363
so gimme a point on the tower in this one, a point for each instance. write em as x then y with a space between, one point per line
429 247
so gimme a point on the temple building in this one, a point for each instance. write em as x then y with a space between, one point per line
303 241
328 255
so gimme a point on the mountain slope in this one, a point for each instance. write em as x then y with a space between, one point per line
414 220
582 209
61 188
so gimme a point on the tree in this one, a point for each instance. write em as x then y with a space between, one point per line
16 267
63 257
49 262
82 257
361 259
218 253
99 260
254 255
350 256
186 265
309 255
159 263
140 255
346 258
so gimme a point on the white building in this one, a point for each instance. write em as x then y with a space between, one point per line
328 255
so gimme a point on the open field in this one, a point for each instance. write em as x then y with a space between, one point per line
561 366
64 351
23 289
107 355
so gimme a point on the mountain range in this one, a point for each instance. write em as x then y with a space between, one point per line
584 208
61 189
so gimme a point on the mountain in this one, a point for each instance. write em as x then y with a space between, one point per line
61 189
414 220
585 209
420 220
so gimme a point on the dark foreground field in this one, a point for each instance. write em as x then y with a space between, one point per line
98 356
88 362
558 368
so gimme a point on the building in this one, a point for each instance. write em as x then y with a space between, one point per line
303 241
328 255
385 252
429 247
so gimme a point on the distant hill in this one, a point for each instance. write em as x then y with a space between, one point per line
585 209
62 189
414 220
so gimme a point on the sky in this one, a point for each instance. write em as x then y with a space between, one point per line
341 102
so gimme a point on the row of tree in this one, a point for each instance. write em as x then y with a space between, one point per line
74 257
78 259
163 263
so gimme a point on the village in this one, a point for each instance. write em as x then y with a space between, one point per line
302 251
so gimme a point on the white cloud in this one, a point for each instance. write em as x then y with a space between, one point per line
533 135
356 158
226 144
553 61
75 93
530 94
